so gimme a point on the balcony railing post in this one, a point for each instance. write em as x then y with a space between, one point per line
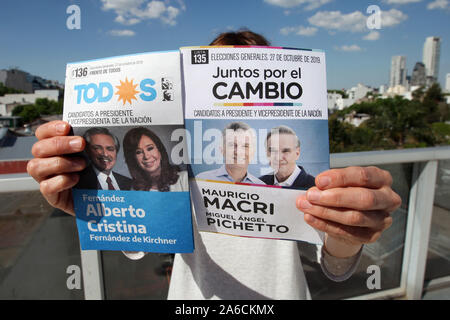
91 267
420 227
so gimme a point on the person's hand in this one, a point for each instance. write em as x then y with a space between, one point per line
55 173
352 206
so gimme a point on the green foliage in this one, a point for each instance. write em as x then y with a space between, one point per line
442 132
4 90
418 93
46 107
394 123
28 112
42 106
31 112
434 93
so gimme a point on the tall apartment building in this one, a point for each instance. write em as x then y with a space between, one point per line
419 75
431 56
28 83
398 71
447 83
16 79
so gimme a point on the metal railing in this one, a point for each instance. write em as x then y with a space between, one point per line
421 198
425 163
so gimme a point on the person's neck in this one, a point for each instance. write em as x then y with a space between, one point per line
106 172
283 176
237 173
155 179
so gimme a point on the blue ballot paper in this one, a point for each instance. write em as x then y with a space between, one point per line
124 220
134 193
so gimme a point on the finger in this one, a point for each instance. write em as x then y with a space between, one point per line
354 235
57 146
371 219
58 184
378 220
369 177
361 199
41 168
52 129
63 201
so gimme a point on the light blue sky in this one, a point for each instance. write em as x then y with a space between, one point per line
35 37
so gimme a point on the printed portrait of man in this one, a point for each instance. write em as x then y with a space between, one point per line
283 152
102 148
167 95
238 149
166 84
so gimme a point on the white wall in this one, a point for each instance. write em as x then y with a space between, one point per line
27 98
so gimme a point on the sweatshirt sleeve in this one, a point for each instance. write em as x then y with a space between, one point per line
339 269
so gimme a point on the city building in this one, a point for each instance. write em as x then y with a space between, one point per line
15 151
447 87
358 92
396 90
12 122
332 99
9 101
419 76
26 82
447 83
336 101
16 79
356 118
398 71
431 56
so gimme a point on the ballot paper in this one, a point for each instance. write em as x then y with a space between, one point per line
134 193
258 135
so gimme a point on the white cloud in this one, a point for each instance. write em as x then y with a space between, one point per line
172 13
392 18
122 33
439 4
309 4
130 12
153 10
372 36
182 5
128 22
350 48
299 30
316 4
355 21
401 1
335 20
120 5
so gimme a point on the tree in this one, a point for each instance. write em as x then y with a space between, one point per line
394 123
442 132
434 93
431 99
42 106
418 93
46 107
4 90
28 112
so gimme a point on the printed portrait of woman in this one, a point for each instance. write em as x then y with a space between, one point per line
148 163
